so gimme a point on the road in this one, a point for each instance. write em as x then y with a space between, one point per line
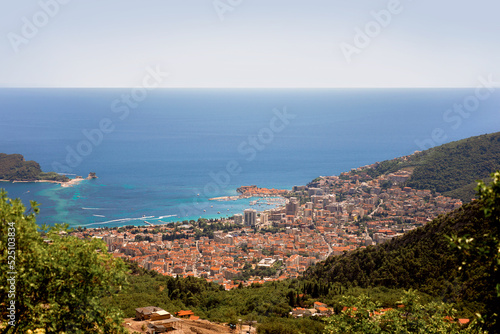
375 210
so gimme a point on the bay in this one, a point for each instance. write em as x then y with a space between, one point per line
165 155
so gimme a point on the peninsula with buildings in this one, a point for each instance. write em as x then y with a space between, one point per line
252 191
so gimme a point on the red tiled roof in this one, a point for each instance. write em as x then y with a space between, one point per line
347 308
182 313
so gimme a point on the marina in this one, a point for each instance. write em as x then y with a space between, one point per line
269 201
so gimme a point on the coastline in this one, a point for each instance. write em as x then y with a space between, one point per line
235 198
223 208
226 198
66 184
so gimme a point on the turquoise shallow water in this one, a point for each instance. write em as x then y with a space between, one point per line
155 158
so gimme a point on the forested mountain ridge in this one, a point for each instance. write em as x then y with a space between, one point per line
13 167
451 169
421 259
454 168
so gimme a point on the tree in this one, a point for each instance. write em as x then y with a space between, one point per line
485 249
362 315
490 195
56 281
291 298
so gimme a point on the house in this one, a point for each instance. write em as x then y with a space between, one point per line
300 312
317 305
160 315
162 326
324 311
151 313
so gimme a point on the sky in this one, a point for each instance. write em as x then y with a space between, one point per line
249 43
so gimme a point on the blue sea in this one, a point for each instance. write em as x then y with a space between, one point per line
164 154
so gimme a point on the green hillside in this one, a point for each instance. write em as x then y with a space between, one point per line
451 169
423 260
13 167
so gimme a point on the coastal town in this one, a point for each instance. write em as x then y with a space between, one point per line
330 216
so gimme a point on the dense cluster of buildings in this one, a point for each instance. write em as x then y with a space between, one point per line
222 258
332 215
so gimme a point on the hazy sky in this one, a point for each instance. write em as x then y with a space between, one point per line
249 43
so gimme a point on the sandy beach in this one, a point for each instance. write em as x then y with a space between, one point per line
71 182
